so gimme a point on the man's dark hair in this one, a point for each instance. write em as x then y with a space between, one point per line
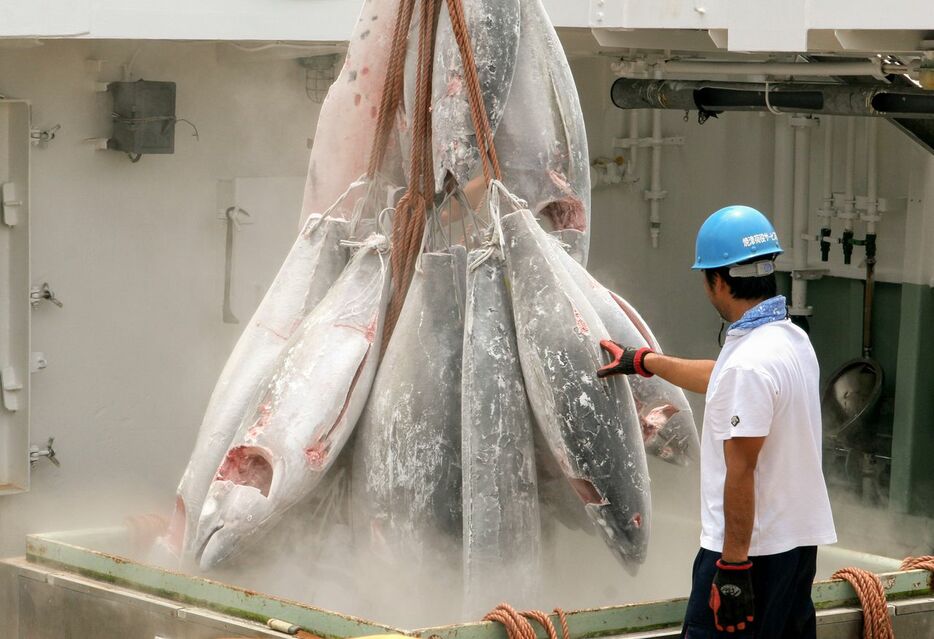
745 288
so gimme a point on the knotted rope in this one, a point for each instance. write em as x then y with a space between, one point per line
412 210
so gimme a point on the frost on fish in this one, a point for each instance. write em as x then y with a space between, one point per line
310 268
664 413
407 462
541 141
348 118
572 241
502 530
304 414
493 26
589 424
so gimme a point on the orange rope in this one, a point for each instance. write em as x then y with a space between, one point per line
517 623
481 122
925 562
868 587
412 209
392 87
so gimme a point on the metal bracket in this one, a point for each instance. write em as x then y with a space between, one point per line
654 195
41 137
810 273
38 294
10 384
626 143
36 453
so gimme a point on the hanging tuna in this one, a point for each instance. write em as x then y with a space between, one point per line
349 117
541 141
590 426
309 270
664 413
304 414
502 531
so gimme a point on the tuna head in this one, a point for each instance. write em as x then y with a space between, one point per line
237 503
625 529
627 538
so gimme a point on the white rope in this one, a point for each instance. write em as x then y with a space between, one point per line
495 242
314 222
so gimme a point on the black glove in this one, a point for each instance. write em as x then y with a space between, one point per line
626 360
731 597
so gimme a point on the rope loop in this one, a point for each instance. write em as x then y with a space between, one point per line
518 624
871 594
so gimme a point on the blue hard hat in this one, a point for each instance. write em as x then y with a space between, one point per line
732 235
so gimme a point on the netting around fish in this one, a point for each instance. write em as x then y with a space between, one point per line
415 401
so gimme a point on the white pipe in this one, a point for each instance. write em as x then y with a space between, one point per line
827 210
814 69
849 198
782 179
655 220
800 219
634 149
872 176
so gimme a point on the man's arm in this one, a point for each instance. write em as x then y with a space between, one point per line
689 374
739 495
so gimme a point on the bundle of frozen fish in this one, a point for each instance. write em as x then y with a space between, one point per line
492 361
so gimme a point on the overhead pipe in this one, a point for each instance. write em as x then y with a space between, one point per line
812 69
876 100
826 211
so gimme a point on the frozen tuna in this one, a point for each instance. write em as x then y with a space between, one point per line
493 26
590 425
664 413
407 453
305 413
313 264
349 115
502 531
541 141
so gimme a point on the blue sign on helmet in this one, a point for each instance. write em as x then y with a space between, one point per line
732 235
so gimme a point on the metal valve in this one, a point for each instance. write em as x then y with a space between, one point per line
48 452
43 293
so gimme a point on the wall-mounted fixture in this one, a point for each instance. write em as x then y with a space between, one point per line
320 72
144 118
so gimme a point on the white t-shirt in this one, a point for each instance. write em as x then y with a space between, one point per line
765 384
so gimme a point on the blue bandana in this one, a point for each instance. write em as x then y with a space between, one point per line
771 310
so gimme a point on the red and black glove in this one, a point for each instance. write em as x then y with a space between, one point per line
626 360
731 597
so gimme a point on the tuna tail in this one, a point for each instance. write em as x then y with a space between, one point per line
493 26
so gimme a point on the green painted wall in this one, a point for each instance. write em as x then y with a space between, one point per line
903 344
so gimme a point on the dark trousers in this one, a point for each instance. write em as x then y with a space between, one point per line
782 589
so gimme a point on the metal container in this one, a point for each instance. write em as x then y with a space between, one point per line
153 601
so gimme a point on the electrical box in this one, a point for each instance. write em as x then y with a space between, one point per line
143 116
15 308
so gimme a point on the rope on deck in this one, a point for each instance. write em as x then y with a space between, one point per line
876 621
518 626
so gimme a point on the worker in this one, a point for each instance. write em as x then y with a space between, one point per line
764 502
